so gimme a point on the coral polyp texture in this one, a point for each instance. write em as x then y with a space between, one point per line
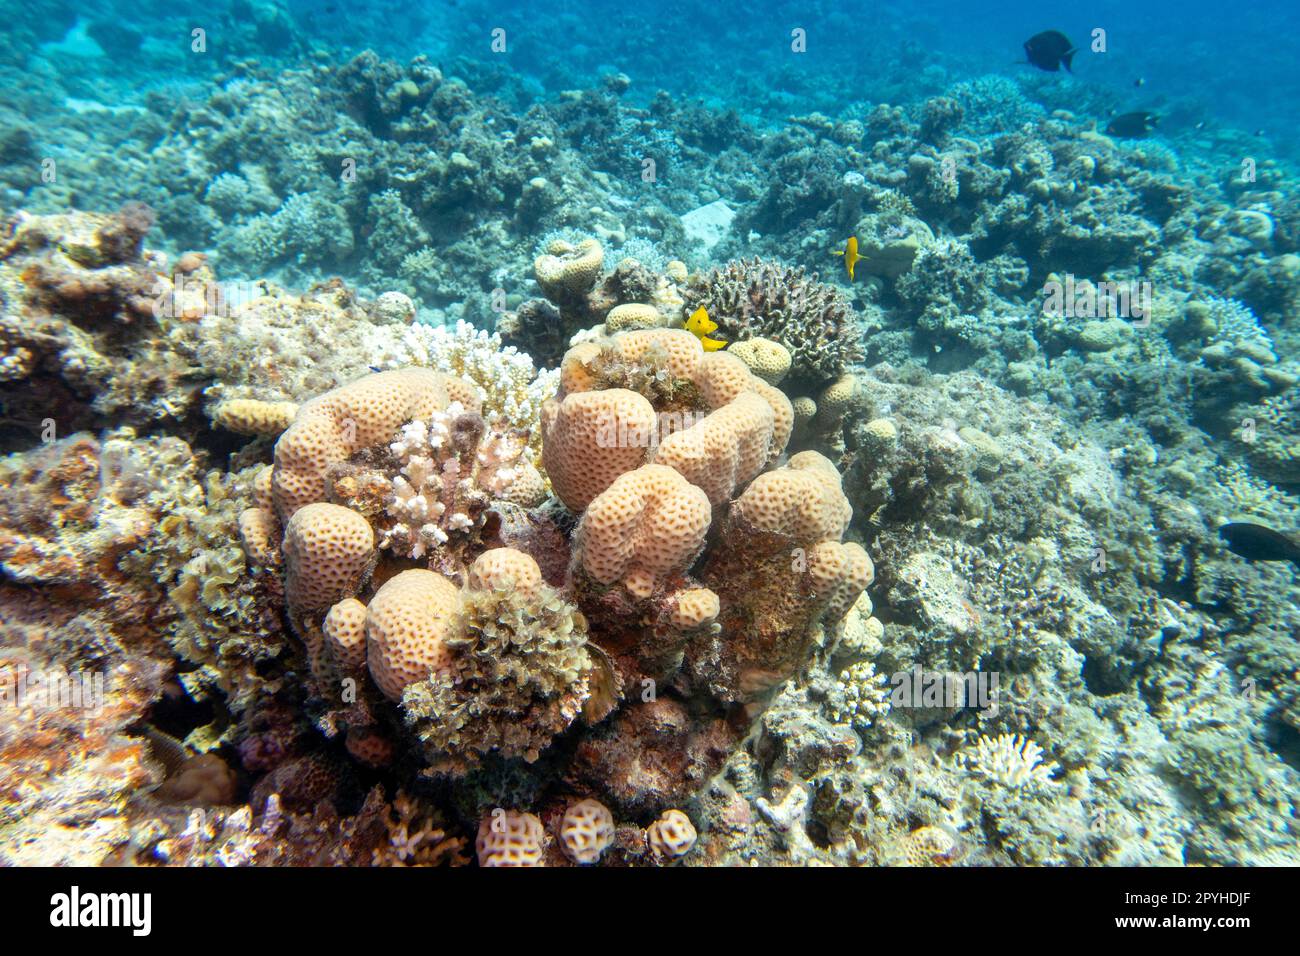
513 464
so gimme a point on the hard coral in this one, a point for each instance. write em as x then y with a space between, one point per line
648 524
515 675
91 324
751 298
408 624
586 831
511 838
779 569
655 394
333 426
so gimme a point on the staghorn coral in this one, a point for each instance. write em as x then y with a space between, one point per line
511 389
752 298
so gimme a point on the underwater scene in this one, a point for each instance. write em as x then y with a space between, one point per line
654 434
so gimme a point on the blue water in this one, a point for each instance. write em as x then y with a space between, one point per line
1220 63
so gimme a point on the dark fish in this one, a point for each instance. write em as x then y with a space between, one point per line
1132 125
1255 542
1049 50
1139 81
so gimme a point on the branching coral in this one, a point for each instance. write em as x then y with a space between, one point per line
448 471
1010 760
751 298
510 386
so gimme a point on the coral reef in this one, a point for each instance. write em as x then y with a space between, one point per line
387 511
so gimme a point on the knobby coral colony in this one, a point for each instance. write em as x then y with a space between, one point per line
449 626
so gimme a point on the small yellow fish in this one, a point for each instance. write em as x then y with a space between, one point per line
850 254
700 325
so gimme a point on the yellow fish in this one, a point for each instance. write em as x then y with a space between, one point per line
700 325
850 254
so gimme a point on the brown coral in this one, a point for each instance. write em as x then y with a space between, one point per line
751 298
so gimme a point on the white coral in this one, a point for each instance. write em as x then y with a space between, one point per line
434 494
510 385
1010 760
1234 323
860 696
